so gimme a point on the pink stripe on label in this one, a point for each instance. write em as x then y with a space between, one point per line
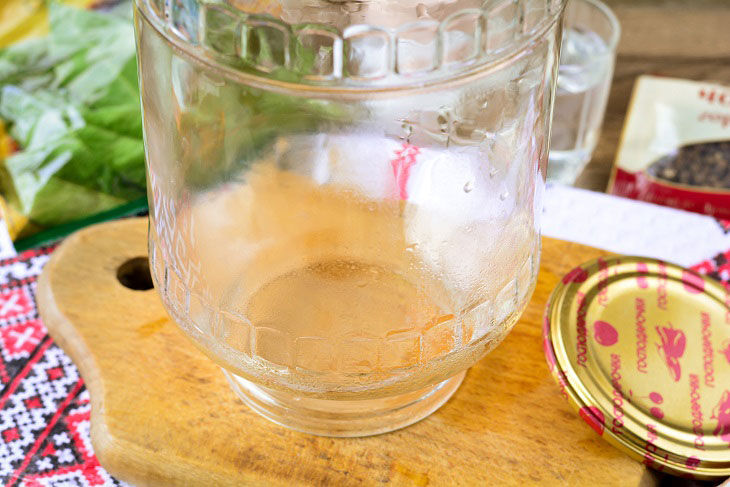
405 159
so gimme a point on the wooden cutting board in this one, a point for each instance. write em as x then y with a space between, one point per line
163 415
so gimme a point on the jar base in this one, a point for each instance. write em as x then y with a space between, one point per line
343 419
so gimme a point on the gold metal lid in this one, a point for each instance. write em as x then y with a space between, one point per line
642 349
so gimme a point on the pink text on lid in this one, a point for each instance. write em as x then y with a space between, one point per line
618 396
707 350
581 339
651 448
694 399
721 413
671 349
725 350
641 337
661 290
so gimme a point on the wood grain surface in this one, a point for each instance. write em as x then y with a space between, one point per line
679 38
163 415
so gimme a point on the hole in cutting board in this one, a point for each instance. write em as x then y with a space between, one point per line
135 274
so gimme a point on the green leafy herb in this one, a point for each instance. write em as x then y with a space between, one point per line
71 101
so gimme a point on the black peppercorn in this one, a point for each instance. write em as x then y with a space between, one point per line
706 165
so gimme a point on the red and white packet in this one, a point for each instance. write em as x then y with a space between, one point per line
665 115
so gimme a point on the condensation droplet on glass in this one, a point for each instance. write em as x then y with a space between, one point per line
504 195
485 104
443 120
411 247
407 130
493 171
468 187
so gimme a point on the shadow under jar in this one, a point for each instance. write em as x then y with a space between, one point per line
345 196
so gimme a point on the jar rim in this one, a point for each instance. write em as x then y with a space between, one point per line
234 64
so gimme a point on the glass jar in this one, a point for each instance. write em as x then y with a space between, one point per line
345 195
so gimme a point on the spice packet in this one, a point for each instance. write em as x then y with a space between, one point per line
675 147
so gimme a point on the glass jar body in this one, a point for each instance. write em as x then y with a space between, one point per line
344 254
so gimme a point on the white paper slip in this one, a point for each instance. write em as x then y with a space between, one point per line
631 227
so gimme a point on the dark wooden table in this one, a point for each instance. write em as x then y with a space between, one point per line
680 38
